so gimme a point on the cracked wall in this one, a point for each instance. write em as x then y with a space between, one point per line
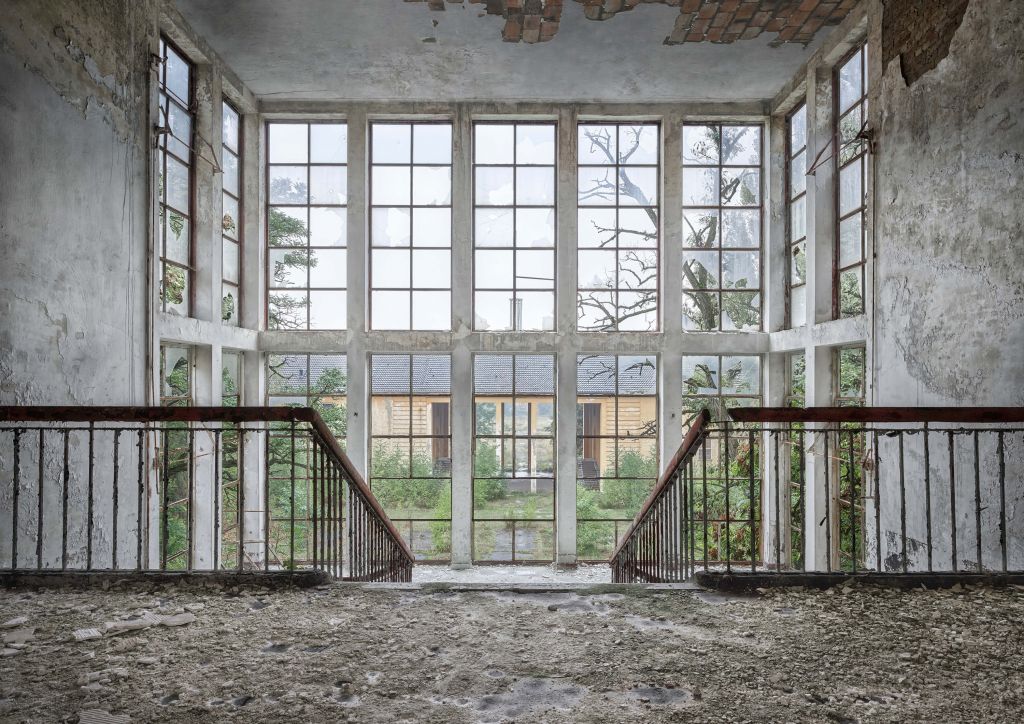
73 236
949 179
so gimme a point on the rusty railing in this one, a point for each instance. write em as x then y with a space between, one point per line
836 490
187 489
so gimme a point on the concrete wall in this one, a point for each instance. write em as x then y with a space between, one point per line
949 180
73 237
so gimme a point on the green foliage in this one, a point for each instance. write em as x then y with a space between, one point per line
227 307
174 284
487 472
286 311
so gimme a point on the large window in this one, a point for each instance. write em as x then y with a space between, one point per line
175 192
301 380
514 226
307 192
174 460
616 446
619 223
230 464
719 382
850 374
231 222
796 214
410 448
722 227
410 225
514 457
851 192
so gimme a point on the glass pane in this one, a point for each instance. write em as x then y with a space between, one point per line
595 311
288 143
287 227
741 228
798 264
390 310
392 143
390 227
327 310
288 185
432 227
741 311
700 187
229 261
638 144
797 307
741 375
850 240
328 185
329 142
535 227
700 228
700 270
327 227
741 145
535 144
700 375
494 227
230 124
638 228
432 185
287 310
492 311
741 269
798 219
850 188
493 143
638 311
493 269
701 145
596 227
798 129
177 180
700 311
798 174
230 218
638 269
175 290
638 186
851 82
432 143
431 310
741 187
390 268
851 292
229 163
327 268
535 269
494 186
596 269
536 311
288 267
176 235
597 187
431 269
535 186
390 185
597 144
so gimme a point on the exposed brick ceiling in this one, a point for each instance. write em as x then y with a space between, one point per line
716 21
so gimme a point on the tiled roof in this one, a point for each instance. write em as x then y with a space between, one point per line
534 374
596 374
431 374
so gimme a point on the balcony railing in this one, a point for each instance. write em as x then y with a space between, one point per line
187 489
836 490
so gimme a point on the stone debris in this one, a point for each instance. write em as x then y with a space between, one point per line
19 636
15 622
380 655
101 716
86 634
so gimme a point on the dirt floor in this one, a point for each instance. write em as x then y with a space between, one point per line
344 652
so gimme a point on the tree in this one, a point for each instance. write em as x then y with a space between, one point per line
287 311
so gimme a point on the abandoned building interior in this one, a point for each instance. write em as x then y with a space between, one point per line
346 319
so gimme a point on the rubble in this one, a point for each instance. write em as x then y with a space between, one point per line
379 655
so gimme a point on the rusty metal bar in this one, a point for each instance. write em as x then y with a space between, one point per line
751 504
89 502
875 414
977 502
928 495
39 512
218 485
903 507
14 500
1002 498
114 495
141 495
64 506
828 507
952 497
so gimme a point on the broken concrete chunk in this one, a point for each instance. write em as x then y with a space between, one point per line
114 628
20 635
86 634
15 622
179 619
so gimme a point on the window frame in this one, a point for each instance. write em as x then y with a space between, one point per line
719 208
187 105
239 240
659 169
514 207
861 157
309 248
411 206
791 244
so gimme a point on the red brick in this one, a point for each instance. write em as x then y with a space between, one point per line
775 25
746 11
708 11
721 20
513 31
695 37
690 6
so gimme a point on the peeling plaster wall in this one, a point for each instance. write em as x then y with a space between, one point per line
949 270
73 200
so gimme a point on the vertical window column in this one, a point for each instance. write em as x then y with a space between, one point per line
514 226
619 177
410 448
514 457
307 193
175 189
175 465
410 226
230 464
231 221
722 221
851 184
616 446
796 214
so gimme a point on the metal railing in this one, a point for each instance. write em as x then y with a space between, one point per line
836 490
187 489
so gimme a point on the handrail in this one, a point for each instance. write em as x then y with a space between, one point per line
696 433
63 413
878 414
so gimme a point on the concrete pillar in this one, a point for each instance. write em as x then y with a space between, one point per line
670 422
565 325
206 227
358 291
207 391
461 418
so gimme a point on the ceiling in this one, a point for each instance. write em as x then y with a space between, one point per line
366 50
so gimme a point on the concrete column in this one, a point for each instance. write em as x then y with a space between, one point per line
565 325
207 391
358 291
670 422
206 229
462 325
253 468
775 509
819 394
775 244
253 241
820 198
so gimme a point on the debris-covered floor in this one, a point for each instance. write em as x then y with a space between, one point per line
365 654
